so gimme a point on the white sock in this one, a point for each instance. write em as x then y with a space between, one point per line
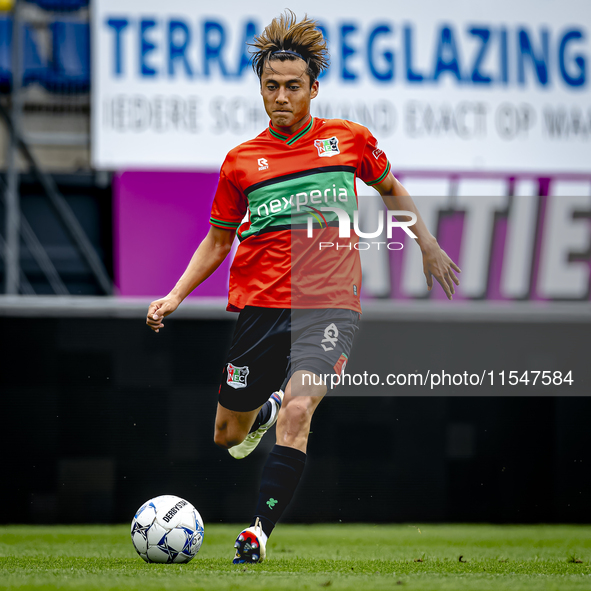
274 410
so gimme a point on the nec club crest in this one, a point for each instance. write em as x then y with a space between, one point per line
328 147
237 376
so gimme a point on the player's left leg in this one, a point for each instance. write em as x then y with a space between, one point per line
310 358
302 398
284 466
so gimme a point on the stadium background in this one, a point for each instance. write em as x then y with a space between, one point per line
104 200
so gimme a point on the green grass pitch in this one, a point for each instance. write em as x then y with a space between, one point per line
356 557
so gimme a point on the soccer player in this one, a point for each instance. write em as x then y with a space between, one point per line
299 305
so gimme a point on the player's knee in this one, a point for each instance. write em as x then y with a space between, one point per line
220 440
297 413
225 440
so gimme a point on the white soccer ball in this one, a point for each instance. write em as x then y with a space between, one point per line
167 529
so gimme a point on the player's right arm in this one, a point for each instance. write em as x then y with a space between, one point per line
207 258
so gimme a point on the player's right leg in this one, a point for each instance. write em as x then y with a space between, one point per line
265 419
232 427
255 367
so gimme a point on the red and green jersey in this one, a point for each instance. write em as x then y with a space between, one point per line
280 181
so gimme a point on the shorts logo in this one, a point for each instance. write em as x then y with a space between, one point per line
263 164
328 147
331 335
237 376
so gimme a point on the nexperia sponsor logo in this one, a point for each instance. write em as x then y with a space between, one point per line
331 194
174 510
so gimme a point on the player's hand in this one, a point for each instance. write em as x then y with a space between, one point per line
158 310
437 264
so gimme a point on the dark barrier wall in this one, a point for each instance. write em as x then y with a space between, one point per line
100 415
90 202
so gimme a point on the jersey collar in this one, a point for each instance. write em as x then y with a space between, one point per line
290 140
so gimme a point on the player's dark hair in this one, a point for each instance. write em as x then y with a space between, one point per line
286 39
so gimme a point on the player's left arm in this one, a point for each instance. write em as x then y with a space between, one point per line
436 263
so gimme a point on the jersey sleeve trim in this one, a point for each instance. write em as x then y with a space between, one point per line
381 177
224 224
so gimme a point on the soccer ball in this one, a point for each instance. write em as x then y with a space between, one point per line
167 529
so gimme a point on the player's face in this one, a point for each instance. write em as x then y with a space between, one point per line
287 94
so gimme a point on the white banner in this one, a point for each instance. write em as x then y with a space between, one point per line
461 85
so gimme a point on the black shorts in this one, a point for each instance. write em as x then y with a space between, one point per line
270 344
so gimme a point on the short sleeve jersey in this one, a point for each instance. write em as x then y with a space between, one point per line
274 190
